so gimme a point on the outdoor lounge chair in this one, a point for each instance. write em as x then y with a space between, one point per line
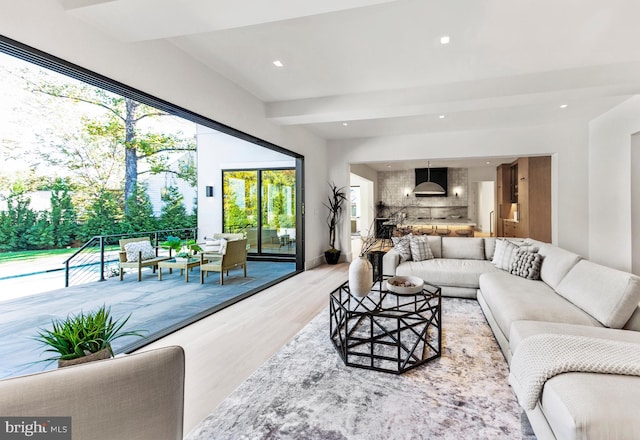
235 255
145 257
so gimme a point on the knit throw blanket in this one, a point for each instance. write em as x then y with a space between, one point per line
541 357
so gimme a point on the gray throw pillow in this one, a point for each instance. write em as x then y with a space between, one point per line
402 245
420 249
527 264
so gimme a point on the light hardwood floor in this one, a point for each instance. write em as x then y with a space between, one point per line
222 350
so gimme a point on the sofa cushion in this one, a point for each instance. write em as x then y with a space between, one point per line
420 249
489 247
133 250
634 322
447 272
463 247
520 330
435 244
592 406
512 298
557 263
526 264
609 295
402 245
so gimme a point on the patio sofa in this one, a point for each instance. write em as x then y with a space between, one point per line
567 330
135 397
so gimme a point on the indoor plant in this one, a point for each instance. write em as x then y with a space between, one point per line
83 337
335 202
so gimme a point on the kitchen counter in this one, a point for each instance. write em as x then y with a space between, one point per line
437 222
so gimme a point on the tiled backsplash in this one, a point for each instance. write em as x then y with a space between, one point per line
395 194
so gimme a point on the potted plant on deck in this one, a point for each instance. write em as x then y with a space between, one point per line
83 337
335 202
183 249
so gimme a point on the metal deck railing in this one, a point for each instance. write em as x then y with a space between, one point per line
98 258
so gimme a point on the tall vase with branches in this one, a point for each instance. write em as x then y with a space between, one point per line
335 203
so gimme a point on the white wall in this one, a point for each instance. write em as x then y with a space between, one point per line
161 70
568 146
610 185
219 151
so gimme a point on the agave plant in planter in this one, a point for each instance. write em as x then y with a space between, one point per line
83 337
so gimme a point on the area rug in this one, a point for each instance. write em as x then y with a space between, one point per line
305 392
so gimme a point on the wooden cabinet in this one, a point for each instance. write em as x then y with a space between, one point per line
524 193
503 197
510 228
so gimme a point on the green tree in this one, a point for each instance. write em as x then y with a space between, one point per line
103 216
63 221
174 214
16 221
113 139
138 215
39 235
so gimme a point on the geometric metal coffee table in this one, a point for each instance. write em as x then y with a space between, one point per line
386 331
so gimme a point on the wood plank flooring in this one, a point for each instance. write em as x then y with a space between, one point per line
224 349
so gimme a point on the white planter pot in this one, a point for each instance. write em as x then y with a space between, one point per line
360 277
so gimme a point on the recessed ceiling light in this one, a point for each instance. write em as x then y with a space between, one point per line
441 116
564 105
488 162
345 123
388 166
445 39
278 63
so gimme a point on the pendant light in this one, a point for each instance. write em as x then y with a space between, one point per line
429 188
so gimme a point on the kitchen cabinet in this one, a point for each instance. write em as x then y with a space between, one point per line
524 198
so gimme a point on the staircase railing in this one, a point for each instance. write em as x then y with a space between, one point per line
98 258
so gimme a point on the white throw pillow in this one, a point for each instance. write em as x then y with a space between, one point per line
223 246
133 250
504 254
420 249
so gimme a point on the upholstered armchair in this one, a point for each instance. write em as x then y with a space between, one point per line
232 256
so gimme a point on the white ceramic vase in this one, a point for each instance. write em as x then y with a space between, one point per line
360 277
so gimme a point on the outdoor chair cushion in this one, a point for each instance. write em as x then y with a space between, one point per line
133 251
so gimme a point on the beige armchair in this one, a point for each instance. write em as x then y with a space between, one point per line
234 256
145 256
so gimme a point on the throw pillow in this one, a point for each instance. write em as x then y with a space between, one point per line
504 254
402 245
134 249
420 249
527 264
223 246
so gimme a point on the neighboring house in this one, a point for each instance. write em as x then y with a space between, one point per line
40 200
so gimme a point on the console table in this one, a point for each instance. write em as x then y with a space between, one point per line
385 331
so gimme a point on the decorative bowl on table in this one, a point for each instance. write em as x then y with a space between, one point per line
405 285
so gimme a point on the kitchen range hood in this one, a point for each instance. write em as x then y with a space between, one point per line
426 186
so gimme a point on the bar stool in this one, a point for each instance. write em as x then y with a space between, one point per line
443 232
464 233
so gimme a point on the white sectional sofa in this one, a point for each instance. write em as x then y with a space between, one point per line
576 303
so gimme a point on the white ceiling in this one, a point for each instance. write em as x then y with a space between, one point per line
378 65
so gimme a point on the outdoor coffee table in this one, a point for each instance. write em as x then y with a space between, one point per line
386 331
185 265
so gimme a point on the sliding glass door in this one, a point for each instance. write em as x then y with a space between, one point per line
270 230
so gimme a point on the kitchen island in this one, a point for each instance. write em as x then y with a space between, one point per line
433 225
